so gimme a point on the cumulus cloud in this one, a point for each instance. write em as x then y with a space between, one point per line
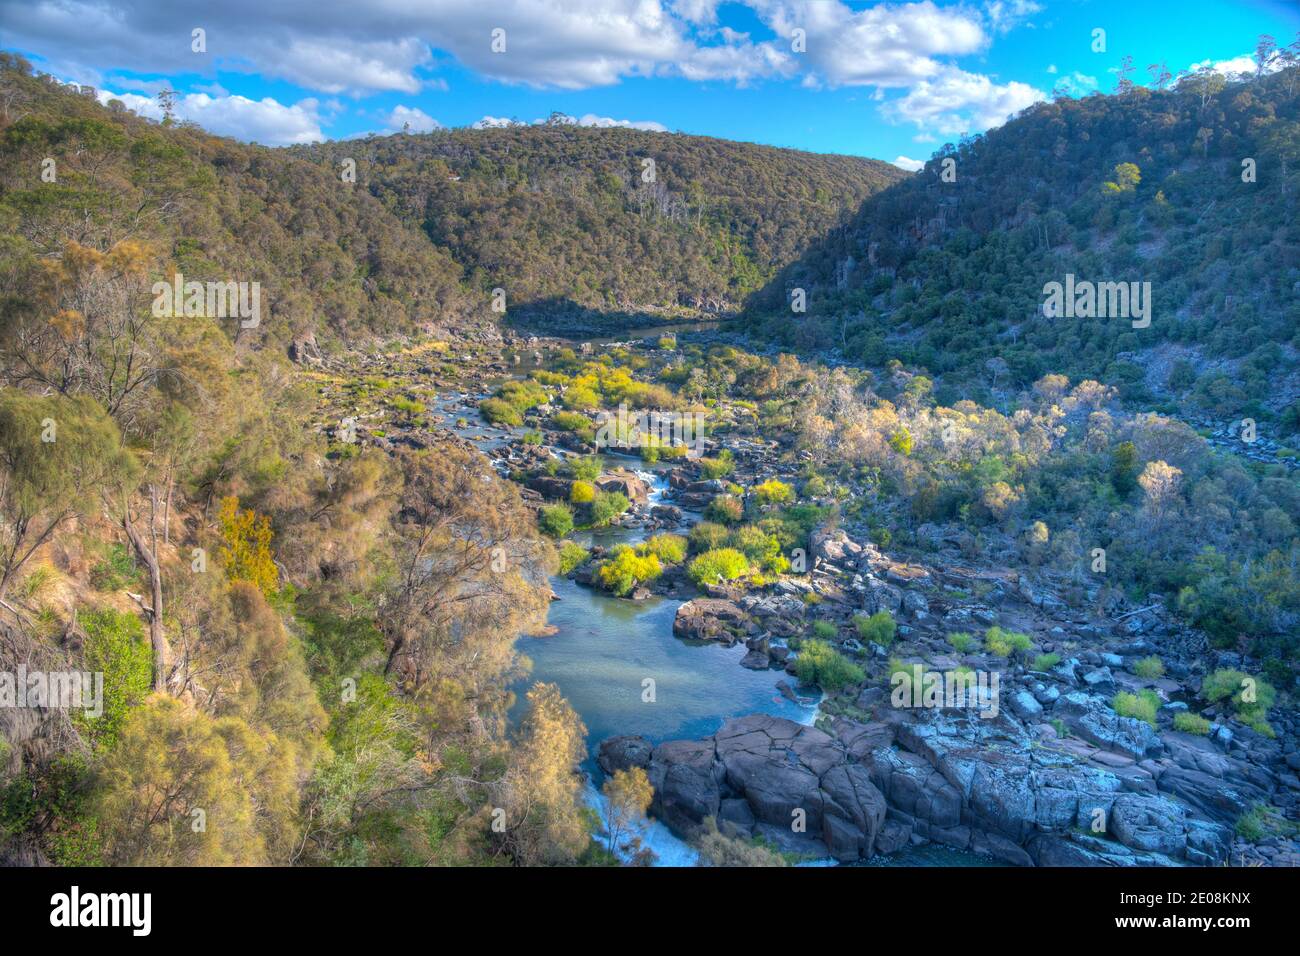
568 44
587 119
1077 84
957 102
885 45
495 122
1244 63
335 48
411 119
263 121
911 165
1006 15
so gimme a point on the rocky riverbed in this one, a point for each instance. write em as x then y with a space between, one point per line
1044 773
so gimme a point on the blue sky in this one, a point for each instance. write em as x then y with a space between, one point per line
892 81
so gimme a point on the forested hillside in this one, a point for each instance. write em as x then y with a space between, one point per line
1194 188
309 641
613 220
172 521
330 259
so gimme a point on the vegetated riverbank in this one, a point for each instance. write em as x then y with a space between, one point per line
1029 785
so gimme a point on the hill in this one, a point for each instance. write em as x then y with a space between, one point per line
1192 189
568 218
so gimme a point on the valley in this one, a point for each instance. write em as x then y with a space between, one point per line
377 570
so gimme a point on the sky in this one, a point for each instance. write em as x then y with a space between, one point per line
892 81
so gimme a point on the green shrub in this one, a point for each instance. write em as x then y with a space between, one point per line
607 506
819 663
961 641
1045 662
707 536
406 406
115 571
825 630
722 564
759 546
572 555
587 468
1143 705
879 628
726 509
625 569
523 395
1245 692
498 412
1262 821
718 467
582 492
115 646
1149 668
1191 723
571 421
1004 643
669 548
555 520
773 492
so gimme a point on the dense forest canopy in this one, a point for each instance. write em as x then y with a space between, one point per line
1192 187
613 220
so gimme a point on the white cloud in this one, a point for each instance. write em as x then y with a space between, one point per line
495 122
1244 63
1006 15
1077 84
604 122
337 48
262 121
885 45
569 44
911 165
411 119
960 102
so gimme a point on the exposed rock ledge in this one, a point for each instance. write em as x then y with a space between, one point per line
990 786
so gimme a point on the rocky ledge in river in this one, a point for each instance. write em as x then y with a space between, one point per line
1005 787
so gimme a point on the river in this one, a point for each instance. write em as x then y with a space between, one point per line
604 650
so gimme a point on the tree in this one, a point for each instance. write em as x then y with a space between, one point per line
59 457
540 793
470 574
182 789
89 328
246 548
628 795
1265 52
1159 482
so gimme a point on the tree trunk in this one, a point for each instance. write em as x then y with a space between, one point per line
161 649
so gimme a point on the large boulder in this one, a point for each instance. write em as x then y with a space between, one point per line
711 619
623 753
551 487
1093 720
629 484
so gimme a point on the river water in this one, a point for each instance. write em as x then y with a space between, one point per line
619 665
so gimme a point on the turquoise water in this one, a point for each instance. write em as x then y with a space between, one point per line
607 649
